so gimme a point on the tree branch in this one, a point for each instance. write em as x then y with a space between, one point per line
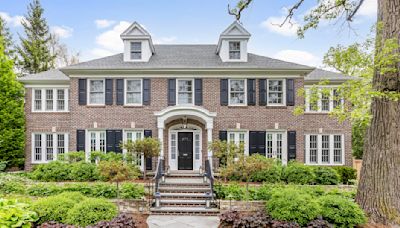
291 11
242 4
350 17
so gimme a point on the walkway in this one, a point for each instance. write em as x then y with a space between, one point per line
165 221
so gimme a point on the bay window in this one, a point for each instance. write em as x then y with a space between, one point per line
237 92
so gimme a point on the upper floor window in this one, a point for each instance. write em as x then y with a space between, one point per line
276 92
133 92
185 91
47 146
237 92
324 149
234 50
96 91
136 50
50 100
323 99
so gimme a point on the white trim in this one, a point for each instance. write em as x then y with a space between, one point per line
177 91
319 150
125 139
43 149
136 74
48 86
88 91
43 100
245 92
283 92
274 133
236 133
88 144
319 102
126 91
130 51
196 112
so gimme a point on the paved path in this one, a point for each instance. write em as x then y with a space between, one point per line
156 221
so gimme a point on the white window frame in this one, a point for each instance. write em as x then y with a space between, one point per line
88 142
283 92
229 50
177 91
274 134
245 92
319 150
104 91
236 134
43 100
44 147
319 102
126 91
134 138
131 51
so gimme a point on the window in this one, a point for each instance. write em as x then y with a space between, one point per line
136 50
324 149
173 146
323 99
276 92
46 146
50 100
234 50
96 92
237 92
197 146
133 92
132 136
185 91
275 145
97 141
238 137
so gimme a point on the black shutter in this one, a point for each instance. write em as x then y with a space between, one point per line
290 92
109 91
224 92
80 140
110 138
146 91
251 92
120 91
171 91
149 165
291 145
82 91
257 142
262 92
198 91
223 135
118 140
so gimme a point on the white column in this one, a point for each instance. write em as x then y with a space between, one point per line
161 139
209 140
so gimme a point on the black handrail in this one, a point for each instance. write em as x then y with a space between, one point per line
159 173
209 174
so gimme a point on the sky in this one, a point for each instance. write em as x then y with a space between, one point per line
92 27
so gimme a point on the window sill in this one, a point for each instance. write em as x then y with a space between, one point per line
133 106
40 162
96 106
238 106
60 112
325 164
316 113
276 107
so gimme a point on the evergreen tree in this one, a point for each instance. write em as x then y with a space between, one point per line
7 39
11 113
35 55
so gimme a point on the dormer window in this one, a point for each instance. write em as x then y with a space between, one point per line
136 50
234 50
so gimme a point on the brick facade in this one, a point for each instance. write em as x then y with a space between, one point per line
120 117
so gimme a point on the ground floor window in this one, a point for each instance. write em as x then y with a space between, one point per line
133 135
275 145
97 141
239 137
47 146
324 149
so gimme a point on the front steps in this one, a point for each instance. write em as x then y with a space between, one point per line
184 193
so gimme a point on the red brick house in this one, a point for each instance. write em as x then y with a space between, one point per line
186 96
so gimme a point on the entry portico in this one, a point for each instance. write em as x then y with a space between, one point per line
184 126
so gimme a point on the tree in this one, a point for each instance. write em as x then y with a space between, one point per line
378 192
64 57
7 42
34 51
226 152
11 114
147 147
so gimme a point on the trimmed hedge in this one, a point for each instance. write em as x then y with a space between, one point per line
326 176
297 173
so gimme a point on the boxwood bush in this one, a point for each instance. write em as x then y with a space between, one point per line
346 174
297 173
83 171
53 171
326 176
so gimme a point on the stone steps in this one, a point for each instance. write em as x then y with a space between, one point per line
183 202
183 189
185 210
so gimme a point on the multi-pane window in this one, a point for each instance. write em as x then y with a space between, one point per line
173 146
136 50
133 92
46 146
237 92
185 91
324 149
234 50
132 136
239 138
197 146
275 145
50 100
275 92
97 141
96 92
323 99
337 101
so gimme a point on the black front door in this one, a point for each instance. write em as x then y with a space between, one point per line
185 151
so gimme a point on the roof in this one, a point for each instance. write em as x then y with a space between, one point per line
319 74
50 75
187 57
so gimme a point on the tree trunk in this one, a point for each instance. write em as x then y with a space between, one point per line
379 189
144 168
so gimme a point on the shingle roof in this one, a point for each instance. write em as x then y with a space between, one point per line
52 75
319 74
187 57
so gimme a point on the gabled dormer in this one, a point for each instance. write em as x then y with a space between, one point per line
232 43
138 46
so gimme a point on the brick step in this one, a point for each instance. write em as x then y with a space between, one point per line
184 175
183 189
185 210
182 184
178 195
182 202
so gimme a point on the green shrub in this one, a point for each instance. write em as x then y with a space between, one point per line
297 173
83 171
346 174
83 188
230 191
271 175
72 157
341 212
91 211
292 205
12 187
132 191
16 214
326 175
43 190
109 156
53 171
264 192
74 196
53 208
3 165
104 190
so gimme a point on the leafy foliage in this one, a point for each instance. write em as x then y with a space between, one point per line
326 175
346 173
297 173
52 171
132 191
97 156
72 156
226 152
7 41
83 171
15 214
122 220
